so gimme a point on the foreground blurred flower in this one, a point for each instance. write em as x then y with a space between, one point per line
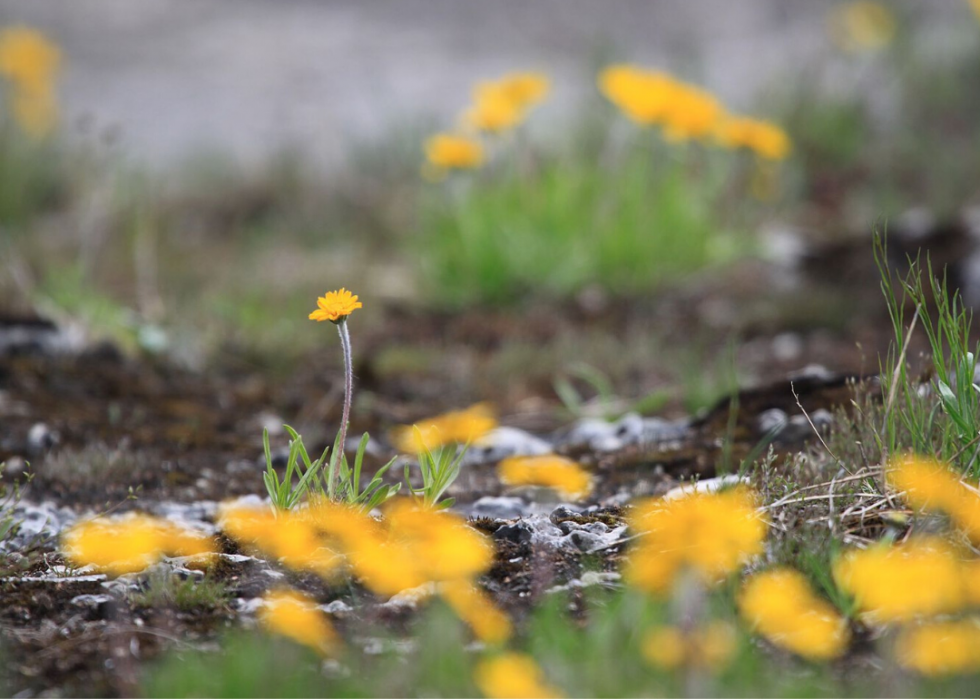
780 606
130 544
489 624
941 648
891 584
711 534
643 96
502 104
451 152
766 139
932 485
861 26
461 426
30 63
710 647
693 114
548 470
512 676
296 616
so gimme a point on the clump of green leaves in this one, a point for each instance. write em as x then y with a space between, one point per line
182 594
326 477
440 469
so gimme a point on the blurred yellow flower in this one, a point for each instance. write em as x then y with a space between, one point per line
975 6
461 426
130 544
30 62
288 537
710 647
711 534
766 139
861 26
512 676
335 306
779 605
932 485
941 648
295 616
489 624
502 104
693 113
548 470
451 152
643 96
893 584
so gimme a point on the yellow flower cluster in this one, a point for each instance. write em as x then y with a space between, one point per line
941 648
30 62
710 647
130 544
687 112
922 577
512 676
498 106
861 26
335 306
710 534
456 427
932 485
408 548
548 470
503 104
780 605
295 616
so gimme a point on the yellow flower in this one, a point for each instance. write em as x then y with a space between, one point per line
861 26
451 152
711 647
461 426
512 676
975 6
335 306
130 544
643 96
765 138
525 89
549 470
780 605
712 534
30 63
693 113
28 59
472 606
941 648
932 485
502 104
893 584
289 537
295 616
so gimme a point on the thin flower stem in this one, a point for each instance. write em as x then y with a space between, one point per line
348 385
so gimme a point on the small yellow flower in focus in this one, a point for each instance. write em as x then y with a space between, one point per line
941 648
766 139
862 26
130 544
895 584
548 470
711 534
335 306
452 152
780 606
512 676
461 426
295 616
489 624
